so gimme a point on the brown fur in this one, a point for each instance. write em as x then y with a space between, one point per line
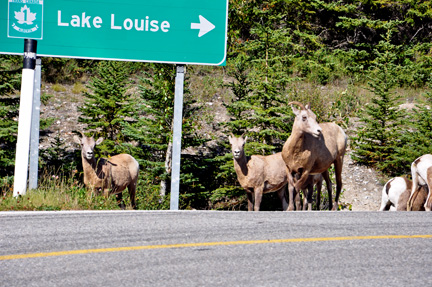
258 174
262 174
112 175
388 186
428 204
309 151
419 197
421 172
308 187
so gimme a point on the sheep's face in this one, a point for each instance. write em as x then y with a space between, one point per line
306 121
87 146
237 146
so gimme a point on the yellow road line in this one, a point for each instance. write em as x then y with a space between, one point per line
203 244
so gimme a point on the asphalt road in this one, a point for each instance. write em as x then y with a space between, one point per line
206 248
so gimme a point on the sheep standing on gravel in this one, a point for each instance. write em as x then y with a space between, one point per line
112 175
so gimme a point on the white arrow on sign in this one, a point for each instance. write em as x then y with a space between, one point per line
204 26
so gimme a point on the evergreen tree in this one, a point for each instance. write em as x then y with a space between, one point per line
9 107
108 105
259 107
153 133
57 159
377 139
153 127
415 136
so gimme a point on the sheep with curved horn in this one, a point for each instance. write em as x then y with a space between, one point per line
311 149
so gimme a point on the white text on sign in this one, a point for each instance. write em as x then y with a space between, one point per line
84 21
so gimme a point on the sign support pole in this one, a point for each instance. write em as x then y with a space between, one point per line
177 129
34 134
25 115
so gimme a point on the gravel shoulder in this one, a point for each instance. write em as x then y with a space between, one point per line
362 186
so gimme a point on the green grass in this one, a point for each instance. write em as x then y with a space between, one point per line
56 193
67 193
78 88
58 88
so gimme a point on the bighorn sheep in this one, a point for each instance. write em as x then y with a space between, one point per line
311 149
258 174
421 172
263 174
396 192
112 175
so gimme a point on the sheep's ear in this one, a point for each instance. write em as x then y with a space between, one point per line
308 106
245 139
99 141
77 139
230 137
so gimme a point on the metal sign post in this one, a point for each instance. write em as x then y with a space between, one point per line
34 134
177 130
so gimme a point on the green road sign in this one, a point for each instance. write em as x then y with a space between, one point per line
25 19
165 31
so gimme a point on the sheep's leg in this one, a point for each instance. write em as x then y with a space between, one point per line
301 182
309 196
297 200
281 193
258 197
305 198
414 187
250 199
290 192
132 193
318 194
119 198
384 201
329 185
428 203
338 170
106 192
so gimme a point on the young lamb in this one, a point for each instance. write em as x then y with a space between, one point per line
112 175
421 172
258 174
311 149
396 192
307 189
